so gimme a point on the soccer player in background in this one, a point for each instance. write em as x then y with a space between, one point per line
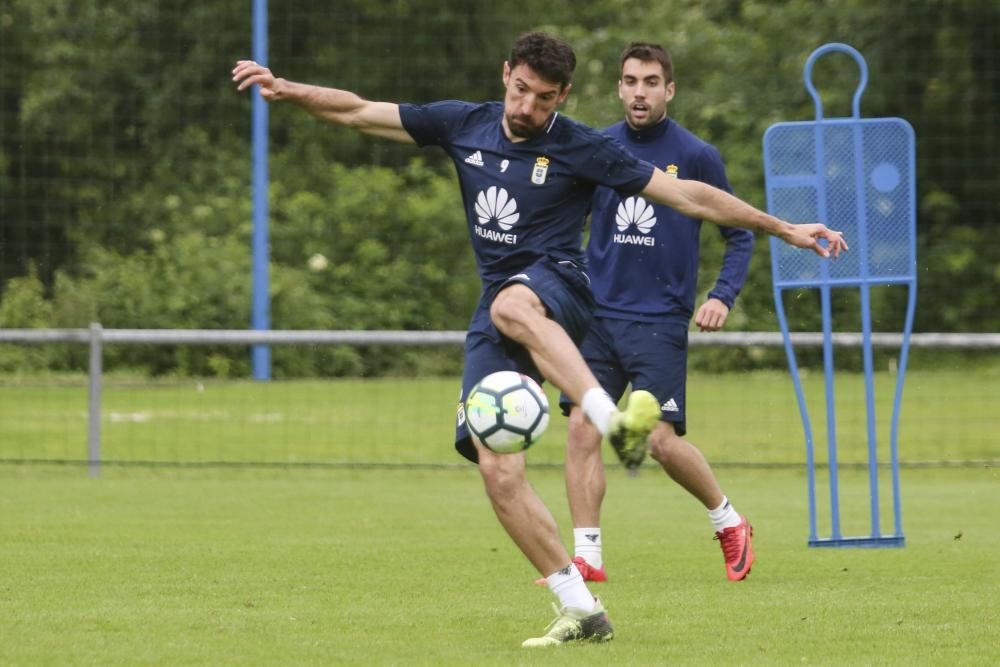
527 175
643 260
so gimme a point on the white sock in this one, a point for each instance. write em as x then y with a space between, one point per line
567 585
587 545
598 407
724 516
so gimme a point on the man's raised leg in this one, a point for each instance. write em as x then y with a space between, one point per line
520 315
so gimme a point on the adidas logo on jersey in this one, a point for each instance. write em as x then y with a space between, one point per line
476 159
635 211
670 406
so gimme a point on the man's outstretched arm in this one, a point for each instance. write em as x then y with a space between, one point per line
702 201
340 107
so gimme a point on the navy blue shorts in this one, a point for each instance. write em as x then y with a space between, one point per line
650 356
564 289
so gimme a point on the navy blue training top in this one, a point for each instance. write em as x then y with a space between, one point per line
642 256
526 200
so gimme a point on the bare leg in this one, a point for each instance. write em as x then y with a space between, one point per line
685 464
585 481
520 315
521 512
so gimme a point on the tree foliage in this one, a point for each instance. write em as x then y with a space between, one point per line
125 168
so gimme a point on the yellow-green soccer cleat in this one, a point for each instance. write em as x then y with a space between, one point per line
629 429
571 625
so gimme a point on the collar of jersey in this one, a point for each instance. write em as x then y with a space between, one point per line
533 140
648 134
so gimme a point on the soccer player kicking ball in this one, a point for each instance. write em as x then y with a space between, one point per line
527 174
643 260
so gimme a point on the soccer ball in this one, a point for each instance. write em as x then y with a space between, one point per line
507 411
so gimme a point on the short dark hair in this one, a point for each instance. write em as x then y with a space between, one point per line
646 52
548 56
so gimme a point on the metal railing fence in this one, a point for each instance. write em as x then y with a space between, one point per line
97 337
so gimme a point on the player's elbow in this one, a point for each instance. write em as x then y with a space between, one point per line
356 121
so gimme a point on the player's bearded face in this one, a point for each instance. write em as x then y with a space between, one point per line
644 92
529 101
522 126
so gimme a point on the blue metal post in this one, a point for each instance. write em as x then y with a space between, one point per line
861 211
261 315
831 416
793 371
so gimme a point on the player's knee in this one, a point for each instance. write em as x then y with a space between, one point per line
583 435
513 310
507 308
502 473
663 442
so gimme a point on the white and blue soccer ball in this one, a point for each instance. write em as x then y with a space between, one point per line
507 411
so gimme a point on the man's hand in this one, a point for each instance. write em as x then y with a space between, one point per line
808 237
712 315
247 73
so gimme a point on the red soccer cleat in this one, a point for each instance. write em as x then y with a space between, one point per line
587 571
737 549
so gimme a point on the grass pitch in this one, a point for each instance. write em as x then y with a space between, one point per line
364 565
397 567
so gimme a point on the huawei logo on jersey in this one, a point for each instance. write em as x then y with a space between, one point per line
638 212
496 204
